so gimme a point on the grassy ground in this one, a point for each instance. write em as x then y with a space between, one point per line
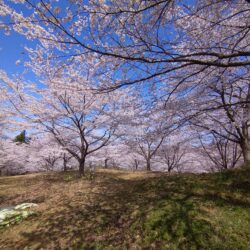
125 210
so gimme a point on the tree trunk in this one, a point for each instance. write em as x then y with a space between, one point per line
106 163
64 164
245 146
136 164
148 165
82 167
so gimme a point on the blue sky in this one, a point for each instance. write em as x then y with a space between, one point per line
11 50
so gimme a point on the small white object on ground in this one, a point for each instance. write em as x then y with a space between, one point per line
12 215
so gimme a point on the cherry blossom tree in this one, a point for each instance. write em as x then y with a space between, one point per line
152 40
221 106
79 123
6 85
223 153
17 158
48 152
171 156
147 133
191 55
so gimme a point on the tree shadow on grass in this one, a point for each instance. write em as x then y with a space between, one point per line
154 213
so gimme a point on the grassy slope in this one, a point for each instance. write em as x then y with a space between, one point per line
124 210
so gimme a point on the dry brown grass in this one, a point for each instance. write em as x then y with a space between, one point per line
115 209
64 215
